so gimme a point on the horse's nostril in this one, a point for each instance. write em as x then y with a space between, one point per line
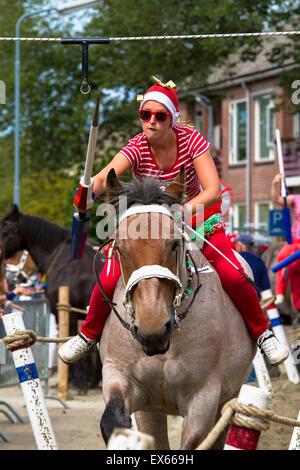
168 325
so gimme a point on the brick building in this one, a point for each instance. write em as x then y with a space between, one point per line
235 113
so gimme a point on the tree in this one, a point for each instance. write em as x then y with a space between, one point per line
56 117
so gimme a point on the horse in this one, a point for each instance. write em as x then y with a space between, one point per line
49 246
287 310
166 349
19 269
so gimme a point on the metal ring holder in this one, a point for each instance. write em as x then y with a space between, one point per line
85 42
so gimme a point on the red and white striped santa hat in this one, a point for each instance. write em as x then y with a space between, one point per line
164 94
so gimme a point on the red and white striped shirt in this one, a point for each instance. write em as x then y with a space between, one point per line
190 145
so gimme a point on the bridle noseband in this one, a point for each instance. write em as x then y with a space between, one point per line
150 271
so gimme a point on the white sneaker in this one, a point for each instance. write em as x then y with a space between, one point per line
279 299
72 350
273 350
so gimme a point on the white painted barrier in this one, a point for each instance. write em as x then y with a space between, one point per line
31 386
295 441
242 438
278 330
261 372
128 439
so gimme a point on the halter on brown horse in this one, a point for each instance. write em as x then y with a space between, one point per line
151 367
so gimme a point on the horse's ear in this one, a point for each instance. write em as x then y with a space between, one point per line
113 185
177 186
13 213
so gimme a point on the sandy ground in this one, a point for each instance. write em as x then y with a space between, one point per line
77 428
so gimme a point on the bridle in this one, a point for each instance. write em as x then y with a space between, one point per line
151 271
18 269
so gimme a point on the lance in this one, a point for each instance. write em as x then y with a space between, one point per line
285 210
84 197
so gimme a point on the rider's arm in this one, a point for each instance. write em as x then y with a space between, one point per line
120 164
275 192
211 187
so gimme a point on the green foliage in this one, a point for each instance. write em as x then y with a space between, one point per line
56 117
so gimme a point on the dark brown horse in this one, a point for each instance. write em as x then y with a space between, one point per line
49 246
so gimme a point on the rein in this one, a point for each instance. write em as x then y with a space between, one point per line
149 272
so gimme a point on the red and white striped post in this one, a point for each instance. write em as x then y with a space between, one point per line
243 438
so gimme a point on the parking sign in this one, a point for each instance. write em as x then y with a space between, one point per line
276 223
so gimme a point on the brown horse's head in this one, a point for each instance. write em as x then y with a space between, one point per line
150 246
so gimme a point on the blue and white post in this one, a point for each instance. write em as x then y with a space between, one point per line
31 386
278 330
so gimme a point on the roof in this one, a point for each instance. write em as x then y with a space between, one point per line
236 71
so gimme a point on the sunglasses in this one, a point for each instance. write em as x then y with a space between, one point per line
160 116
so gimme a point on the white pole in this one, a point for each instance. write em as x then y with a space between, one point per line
261 372
31 386
278 330
295 441
242 438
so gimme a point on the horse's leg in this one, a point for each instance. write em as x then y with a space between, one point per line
115 416
154 424
200 417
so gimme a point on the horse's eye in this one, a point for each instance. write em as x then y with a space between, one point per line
174 246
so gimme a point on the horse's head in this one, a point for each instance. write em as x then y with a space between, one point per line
10 232
149 243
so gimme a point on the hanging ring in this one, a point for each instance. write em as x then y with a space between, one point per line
85 88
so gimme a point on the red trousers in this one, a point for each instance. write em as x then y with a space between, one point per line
238 288
289 273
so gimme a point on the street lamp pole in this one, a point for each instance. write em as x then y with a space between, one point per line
63 10
17 105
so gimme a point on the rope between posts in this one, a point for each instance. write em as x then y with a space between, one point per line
28 338
228 417
184 36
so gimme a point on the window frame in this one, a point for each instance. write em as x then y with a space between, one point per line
270 144
233 132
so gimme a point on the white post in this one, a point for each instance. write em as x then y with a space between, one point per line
242 438
295 441
290 367
31 386
261 372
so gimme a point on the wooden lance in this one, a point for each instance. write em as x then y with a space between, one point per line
84 196
286 210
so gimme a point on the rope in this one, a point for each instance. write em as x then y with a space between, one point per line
28 338
248 410
185 36
70 308
296 332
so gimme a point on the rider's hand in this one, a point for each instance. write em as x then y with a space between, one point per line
277 178
19 290
76 202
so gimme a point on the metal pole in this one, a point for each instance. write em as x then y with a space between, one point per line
17 105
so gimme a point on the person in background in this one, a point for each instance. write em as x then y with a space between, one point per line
291 272
244 244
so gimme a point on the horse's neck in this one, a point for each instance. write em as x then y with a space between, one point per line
41 251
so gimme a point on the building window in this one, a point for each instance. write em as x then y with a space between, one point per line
264 128
296 131
238 132
261 216
198 118
239 217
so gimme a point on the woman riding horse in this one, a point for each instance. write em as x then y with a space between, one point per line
159 152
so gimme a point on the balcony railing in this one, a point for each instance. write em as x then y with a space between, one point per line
291 157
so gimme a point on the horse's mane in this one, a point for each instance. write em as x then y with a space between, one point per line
43 231
144 191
